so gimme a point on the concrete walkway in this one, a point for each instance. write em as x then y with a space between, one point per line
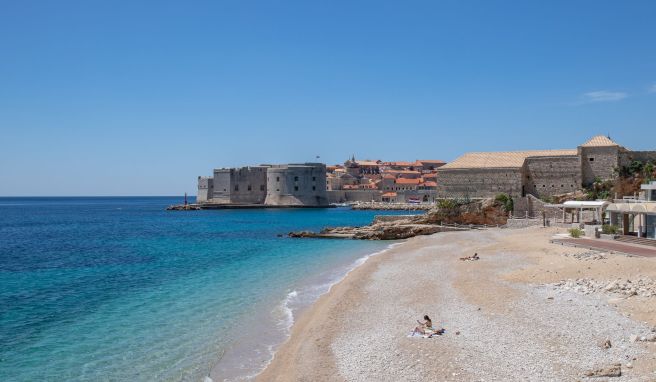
608 245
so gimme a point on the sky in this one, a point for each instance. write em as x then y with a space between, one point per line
141 97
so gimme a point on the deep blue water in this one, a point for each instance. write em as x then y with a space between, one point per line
120 289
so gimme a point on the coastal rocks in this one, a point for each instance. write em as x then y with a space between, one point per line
642 287
393 231
608 371
479 212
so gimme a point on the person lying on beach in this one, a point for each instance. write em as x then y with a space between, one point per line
470 258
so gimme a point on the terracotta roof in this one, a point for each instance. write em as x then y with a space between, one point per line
429 184
389 176
367 163
430 161
599 141
508 159
405 164
389 194
403 172
431 175
408 181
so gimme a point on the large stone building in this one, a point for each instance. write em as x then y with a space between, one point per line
539 172
267 185
296 184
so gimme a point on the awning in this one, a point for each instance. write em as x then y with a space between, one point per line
585 204
633 208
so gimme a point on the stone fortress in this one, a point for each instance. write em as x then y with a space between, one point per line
286 185
541 173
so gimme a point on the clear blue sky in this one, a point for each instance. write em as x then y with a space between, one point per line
139 98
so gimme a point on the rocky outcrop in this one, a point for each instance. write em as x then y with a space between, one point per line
478 212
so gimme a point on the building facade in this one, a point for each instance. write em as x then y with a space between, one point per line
273 185
296 184
540 173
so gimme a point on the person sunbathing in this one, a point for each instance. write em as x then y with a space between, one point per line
470 258
425 326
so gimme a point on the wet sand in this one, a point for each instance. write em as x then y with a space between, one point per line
506 318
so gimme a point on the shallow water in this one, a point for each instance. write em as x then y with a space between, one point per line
119 289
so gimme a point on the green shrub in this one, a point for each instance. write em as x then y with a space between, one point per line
575 232
506 201
608 229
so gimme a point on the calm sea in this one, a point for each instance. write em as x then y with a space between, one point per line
119 289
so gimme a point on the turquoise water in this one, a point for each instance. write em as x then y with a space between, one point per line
119 289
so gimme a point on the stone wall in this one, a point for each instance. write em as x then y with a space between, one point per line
245 185
479 183
346 196
547 176
626 157
205 189
523 223
598 162
296 184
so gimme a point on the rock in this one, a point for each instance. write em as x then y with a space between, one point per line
629 365
633 338
605 344
609 371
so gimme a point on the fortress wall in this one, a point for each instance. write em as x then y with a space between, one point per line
598 162
205 189
479 182
643 156
222 185
249 185
344 196
546 176
297 184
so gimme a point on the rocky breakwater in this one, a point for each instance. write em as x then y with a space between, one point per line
479 212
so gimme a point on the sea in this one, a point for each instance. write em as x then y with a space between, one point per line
119 289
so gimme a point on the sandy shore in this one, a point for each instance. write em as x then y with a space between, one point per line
518 313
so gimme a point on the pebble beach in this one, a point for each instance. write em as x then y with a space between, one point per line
527 310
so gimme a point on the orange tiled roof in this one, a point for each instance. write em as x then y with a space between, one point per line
429 184
389 194
407 181
599 141
432 161
389 176
508 159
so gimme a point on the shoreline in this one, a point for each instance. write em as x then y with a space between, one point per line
289 309
332 340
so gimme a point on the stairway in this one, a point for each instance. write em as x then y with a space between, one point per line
636 240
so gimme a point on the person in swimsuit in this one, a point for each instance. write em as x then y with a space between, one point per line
425 326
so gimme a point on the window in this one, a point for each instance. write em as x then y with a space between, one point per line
314 188
249 187
562 186
591 159
295 188
296 179
261 187
236 187
277 179
314 178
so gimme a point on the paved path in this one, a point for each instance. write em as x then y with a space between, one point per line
607 245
